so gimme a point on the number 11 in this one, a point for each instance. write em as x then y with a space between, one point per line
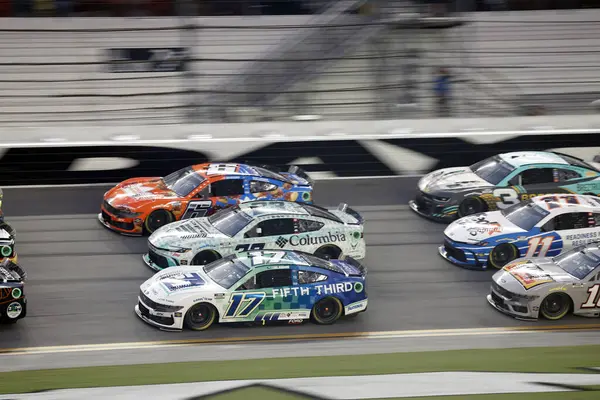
534 243
592 300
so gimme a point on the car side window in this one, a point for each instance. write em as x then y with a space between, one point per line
204 193
594 219
272 227
250 284
567 221
566 175
273 278
227 187
305 225
308 277
536 176
259 186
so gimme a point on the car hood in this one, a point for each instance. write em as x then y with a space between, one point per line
482 226
185 233
178 282
450 179
525 274
137 192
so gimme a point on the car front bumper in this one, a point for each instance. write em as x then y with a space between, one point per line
465 255
172 321
432 210
125 226
516 309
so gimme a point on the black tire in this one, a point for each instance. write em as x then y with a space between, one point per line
555 306
328 252
470 206
327 311
200 316
157 219
502 255
205 257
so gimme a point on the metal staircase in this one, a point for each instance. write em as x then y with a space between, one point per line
330 35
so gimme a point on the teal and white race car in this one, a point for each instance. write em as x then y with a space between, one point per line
258 225
257 287
502 181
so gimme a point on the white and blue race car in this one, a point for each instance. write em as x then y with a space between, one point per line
543 226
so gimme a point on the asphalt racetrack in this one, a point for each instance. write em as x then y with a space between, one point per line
84 280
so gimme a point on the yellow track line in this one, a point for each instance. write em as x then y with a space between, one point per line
316 336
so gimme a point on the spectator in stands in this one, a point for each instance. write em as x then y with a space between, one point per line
442 92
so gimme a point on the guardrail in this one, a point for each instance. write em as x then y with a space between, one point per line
87 155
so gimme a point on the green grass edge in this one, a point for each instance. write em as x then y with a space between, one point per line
536 359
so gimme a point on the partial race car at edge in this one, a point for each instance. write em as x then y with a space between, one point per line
502 181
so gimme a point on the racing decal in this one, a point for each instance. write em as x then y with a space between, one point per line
593 299
247 247
541 243
218 169
527 274
306 240
332 288
578 239
241 305
197 208
507 196
180 281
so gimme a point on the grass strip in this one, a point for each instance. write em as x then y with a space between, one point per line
537 359
590 395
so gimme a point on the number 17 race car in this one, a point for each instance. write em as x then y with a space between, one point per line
502 181
254 287
142 205
540 227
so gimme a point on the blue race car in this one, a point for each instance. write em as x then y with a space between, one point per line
257 286
543 226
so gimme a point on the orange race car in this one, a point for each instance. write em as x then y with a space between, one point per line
140 206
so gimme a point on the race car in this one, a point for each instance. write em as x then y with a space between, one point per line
550 287
258 225
3 224
254 287
501 181
13 303
540 227
142 205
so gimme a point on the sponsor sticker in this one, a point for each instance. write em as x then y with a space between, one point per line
13 310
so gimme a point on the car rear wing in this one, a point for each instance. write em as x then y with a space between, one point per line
343 207
353 262
299 172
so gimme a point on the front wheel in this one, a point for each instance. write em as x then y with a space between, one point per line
205 257
555 306
470 206
502 255
200 316
157 219
327 311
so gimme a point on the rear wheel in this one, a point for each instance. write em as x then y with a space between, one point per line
200 316
470 206
502 255
555 306
328 252
205 257
157 219
327 311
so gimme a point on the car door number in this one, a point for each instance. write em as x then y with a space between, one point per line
197 209
543 243
593 300
507 196
248 247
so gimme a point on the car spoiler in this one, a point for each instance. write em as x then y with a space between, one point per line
343 207
296 170
353 262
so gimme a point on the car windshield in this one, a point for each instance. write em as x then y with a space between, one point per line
578 263
492 169
525 215
227 271
184 181
230 221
